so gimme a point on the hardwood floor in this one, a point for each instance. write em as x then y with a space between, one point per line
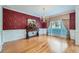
37 44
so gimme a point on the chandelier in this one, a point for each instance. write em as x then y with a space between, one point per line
43 15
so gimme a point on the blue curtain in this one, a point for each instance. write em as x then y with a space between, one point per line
58 31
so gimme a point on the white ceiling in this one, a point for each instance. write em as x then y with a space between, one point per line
37 10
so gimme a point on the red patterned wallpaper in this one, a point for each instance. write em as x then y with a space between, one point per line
16 20
44 25
72 21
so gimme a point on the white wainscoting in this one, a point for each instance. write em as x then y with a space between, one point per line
0 42
72 34
42 31
10 35
77 37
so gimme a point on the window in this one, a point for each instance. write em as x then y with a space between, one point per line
56 24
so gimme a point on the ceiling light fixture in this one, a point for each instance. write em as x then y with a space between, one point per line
43 18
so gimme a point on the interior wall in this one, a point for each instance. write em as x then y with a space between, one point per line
14 24
44 25
77 26
72 21
0 27
16 20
